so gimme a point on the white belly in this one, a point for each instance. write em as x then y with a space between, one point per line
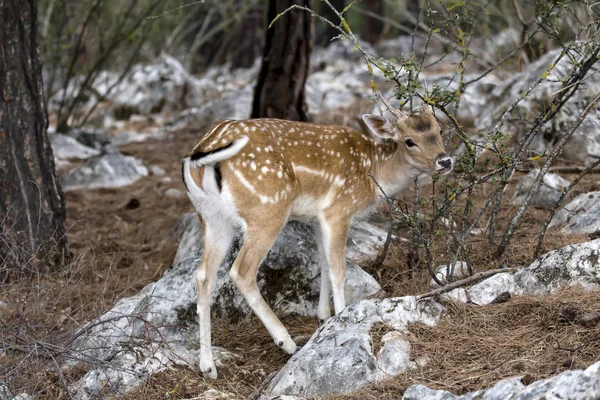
306 208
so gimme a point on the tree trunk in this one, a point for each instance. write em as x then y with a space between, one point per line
32 209
373 27
279 91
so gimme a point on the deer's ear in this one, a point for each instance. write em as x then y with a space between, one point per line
427 109
380 127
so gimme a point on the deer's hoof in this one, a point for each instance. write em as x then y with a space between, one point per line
288 345
209 371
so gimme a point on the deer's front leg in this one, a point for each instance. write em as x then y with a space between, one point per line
324 309
335 233
217 240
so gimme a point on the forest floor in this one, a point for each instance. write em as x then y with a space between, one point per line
123 239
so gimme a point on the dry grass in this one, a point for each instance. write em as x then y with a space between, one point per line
242 376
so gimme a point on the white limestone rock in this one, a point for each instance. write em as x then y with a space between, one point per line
289 277
108 170
584 146
157 170
577 264
163 85
24 396
572 385
581 215
5 393
67 148
548 193
230 105
339 358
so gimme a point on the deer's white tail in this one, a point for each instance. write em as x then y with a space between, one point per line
207 193
212 157
209 160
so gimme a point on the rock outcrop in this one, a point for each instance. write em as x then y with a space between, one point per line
163 85
68 148
342 356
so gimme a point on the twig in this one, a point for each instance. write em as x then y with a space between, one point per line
467 281
381 258
175 9
542 234
514 223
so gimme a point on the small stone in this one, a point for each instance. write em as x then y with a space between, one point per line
589 319
24 396
157 171
174 193
5 393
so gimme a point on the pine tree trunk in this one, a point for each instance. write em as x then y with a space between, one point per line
32 209
279 91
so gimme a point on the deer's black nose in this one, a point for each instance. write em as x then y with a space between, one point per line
445 162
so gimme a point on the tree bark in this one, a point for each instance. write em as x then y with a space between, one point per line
279 91
32 209
373 27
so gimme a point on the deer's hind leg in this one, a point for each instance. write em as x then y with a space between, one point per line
217 240
258 239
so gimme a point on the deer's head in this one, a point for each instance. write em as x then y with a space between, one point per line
418 136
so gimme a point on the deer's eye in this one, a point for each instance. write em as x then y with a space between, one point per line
441 132
410 143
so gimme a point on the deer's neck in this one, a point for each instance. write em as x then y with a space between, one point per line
392 171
